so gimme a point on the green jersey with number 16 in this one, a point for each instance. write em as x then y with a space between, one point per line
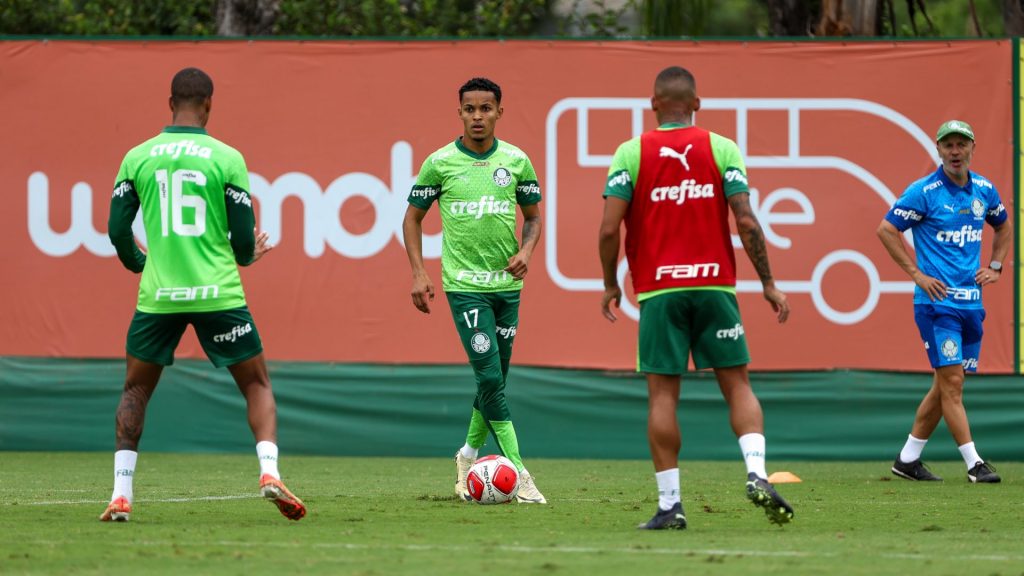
478 195
188 185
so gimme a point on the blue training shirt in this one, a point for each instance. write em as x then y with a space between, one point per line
947 222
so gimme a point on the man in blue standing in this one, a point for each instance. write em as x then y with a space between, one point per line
947 212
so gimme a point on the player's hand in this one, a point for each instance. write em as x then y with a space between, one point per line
611 294
518 265
422 292
933 287
263 245
777 299
987 276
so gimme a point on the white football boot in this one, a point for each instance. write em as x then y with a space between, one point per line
462 466
528 493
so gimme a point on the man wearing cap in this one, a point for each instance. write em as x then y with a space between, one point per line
947 211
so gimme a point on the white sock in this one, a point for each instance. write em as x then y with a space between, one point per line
912 449
970 455
752 446
668 488
267 453
124 471
469 452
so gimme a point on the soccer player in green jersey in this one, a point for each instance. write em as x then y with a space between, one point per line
673 188
478 181
198 216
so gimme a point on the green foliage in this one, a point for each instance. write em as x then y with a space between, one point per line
415 18
392 18
669 18
599 21
104 17
471 18
953 18
663 18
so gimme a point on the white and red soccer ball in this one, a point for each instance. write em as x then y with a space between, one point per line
493 480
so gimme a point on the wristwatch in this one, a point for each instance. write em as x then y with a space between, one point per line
996 265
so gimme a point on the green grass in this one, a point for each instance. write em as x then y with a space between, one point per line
199 514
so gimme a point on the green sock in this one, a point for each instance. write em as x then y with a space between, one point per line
477 435
505 434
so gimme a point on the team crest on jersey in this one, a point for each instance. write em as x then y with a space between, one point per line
480 343
949 348
978 208
502 177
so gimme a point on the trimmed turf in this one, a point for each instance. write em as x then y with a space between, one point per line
200 514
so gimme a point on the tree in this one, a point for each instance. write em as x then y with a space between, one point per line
247 17
1013 17
789 17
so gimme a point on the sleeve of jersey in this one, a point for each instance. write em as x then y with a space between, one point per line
241 223
427 186
241 218
527 188
908 210
124 205
730 165
623 171
996 211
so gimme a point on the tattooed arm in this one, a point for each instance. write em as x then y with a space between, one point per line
518 264
752 236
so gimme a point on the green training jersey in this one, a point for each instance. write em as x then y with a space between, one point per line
477 195
188 185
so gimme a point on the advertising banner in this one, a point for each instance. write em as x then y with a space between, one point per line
334 134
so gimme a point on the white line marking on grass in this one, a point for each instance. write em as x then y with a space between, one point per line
145 500
556 549
991 557
459 548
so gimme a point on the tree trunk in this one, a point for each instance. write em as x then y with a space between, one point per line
1013 17
247 17
849 18
788 17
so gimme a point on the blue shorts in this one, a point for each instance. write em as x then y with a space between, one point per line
951 335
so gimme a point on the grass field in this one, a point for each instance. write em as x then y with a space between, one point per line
200 514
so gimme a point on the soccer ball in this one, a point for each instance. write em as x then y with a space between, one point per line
493 480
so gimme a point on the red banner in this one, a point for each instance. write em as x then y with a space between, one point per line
334 133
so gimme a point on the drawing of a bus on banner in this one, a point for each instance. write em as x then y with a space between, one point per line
791 159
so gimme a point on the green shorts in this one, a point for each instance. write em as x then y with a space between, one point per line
486 321
705 323
227 336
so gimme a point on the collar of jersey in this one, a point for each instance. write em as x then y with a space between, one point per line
184 130
949 184
462 148
673 125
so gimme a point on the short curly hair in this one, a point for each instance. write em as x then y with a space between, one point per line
481 85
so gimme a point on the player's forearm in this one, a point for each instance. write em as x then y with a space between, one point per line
119 229
531 234
412 234
608 247
1002 242
893 242
242 226
128 252
757 251
752 237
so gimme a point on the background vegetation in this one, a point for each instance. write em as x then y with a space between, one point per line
514 18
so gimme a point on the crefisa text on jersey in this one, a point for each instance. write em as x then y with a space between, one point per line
183 147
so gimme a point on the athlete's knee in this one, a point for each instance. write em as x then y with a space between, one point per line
951 386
